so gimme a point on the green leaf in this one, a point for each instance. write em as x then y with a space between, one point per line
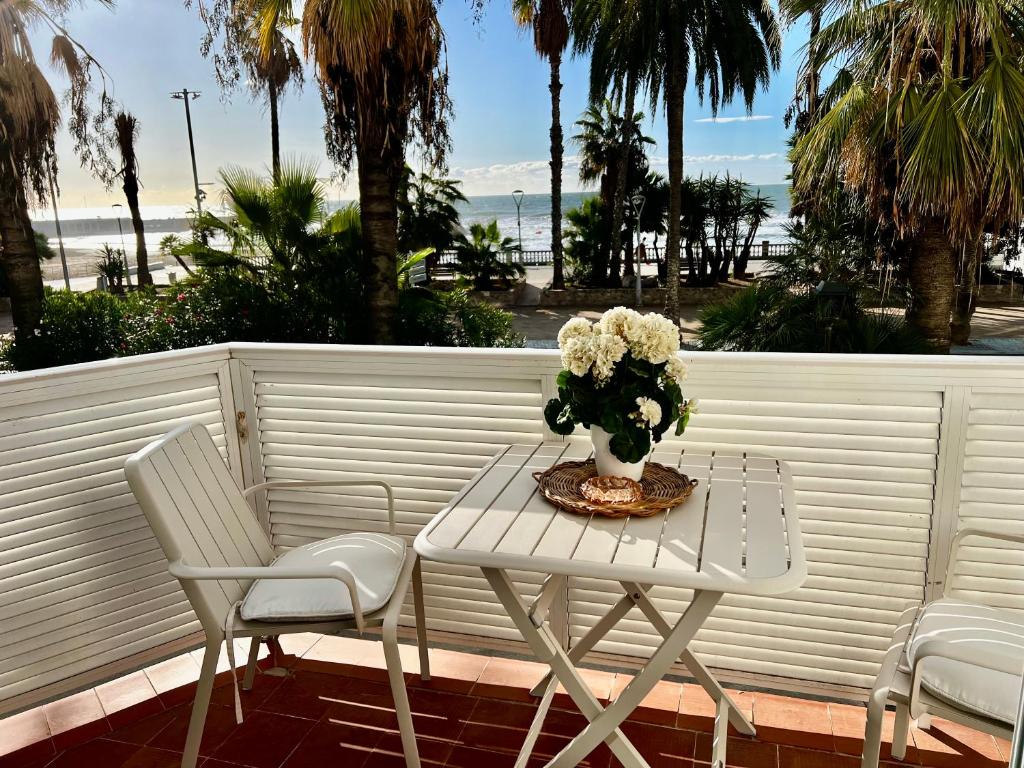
631 444
559 417
683 421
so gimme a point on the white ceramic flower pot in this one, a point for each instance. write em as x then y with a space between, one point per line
607 463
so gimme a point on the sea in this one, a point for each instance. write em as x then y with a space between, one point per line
88 229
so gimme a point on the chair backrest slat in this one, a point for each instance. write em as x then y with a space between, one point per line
198 514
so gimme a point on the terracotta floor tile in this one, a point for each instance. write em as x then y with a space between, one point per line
306 694
220 723
598 681
341 650
128 699
797 722
75 719
948 744
697 708
298 644
263 687
451 671
149 757
332 744
264 740
98 753
145 730
794 757
33 755
662 747
660 706
848 722
174 679
474 757
741 752
23 730
509 678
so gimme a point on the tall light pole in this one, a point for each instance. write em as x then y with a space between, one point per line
517 195
638 201
124 249
184 95
56 221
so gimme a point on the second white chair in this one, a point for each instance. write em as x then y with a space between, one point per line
239 587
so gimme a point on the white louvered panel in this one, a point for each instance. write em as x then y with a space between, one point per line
82 580
992 496
863 471
424 431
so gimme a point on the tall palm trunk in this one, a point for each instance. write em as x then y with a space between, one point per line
131 192
558 279
379 172
932 276
675 93
275 130
621 181
20 260
966 299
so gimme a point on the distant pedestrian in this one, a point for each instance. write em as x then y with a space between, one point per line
641 251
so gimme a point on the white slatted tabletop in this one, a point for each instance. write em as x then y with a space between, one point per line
738 532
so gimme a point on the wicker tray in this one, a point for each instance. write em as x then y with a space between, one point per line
662 488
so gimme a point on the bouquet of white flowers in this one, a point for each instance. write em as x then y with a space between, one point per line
622 380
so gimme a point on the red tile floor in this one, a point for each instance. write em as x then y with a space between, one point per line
333 708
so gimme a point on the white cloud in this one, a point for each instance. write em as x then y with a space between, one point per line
736 119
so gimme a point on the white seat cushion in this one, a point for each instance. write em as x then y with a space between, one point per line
374 559
979 630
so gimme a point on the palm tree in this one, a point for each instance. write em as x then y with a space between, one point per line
484 256
126 131
271 61
757 209
549 20
732 49
383 75
600 139
29 118
427 213
614 36
925 125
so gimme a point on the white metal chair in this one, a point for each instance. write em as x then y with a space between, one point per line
226 565
951 658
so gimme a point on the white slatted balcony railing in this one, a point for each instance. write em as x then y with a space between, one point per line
889 455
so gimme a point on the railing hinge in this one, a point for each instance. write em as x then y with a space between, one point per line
242 426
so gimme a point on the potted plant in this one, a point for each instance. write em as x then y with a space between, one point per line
622 381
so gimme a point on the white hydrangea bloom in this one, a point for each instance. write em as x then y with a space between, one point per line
649 410
655 339
676 370
608 349
577 327
578 354
620 321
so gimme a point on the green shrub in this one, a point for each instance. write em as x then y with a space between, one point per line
452 319
76 328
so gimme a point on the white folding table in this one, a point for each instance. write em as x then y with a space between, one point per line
739 532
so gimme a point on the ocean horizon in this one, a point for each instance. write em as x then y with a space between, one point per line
535 214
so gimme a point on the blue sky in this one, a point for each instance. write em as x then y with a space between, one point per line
498 84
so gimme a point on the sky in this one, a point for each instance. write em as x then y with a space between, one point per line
498 85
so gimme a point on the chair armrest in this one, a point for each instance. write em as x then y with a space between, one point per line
180 570
270 484
966 533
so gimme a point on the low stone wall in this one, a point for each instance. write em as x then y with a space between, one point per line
651 297
1005 294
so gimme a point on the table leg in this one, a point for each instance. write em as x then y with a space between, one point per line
692 663
547 650
609 719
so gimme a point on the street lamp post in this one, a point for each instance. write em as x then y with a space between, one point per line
517 195
124 248
184 95
638 201
60 237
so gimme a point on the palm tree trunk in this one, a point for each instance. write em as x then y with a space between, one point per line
674 95
275 130
621 181
378 212
555 86
966 294
20 260
131 192
931 284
